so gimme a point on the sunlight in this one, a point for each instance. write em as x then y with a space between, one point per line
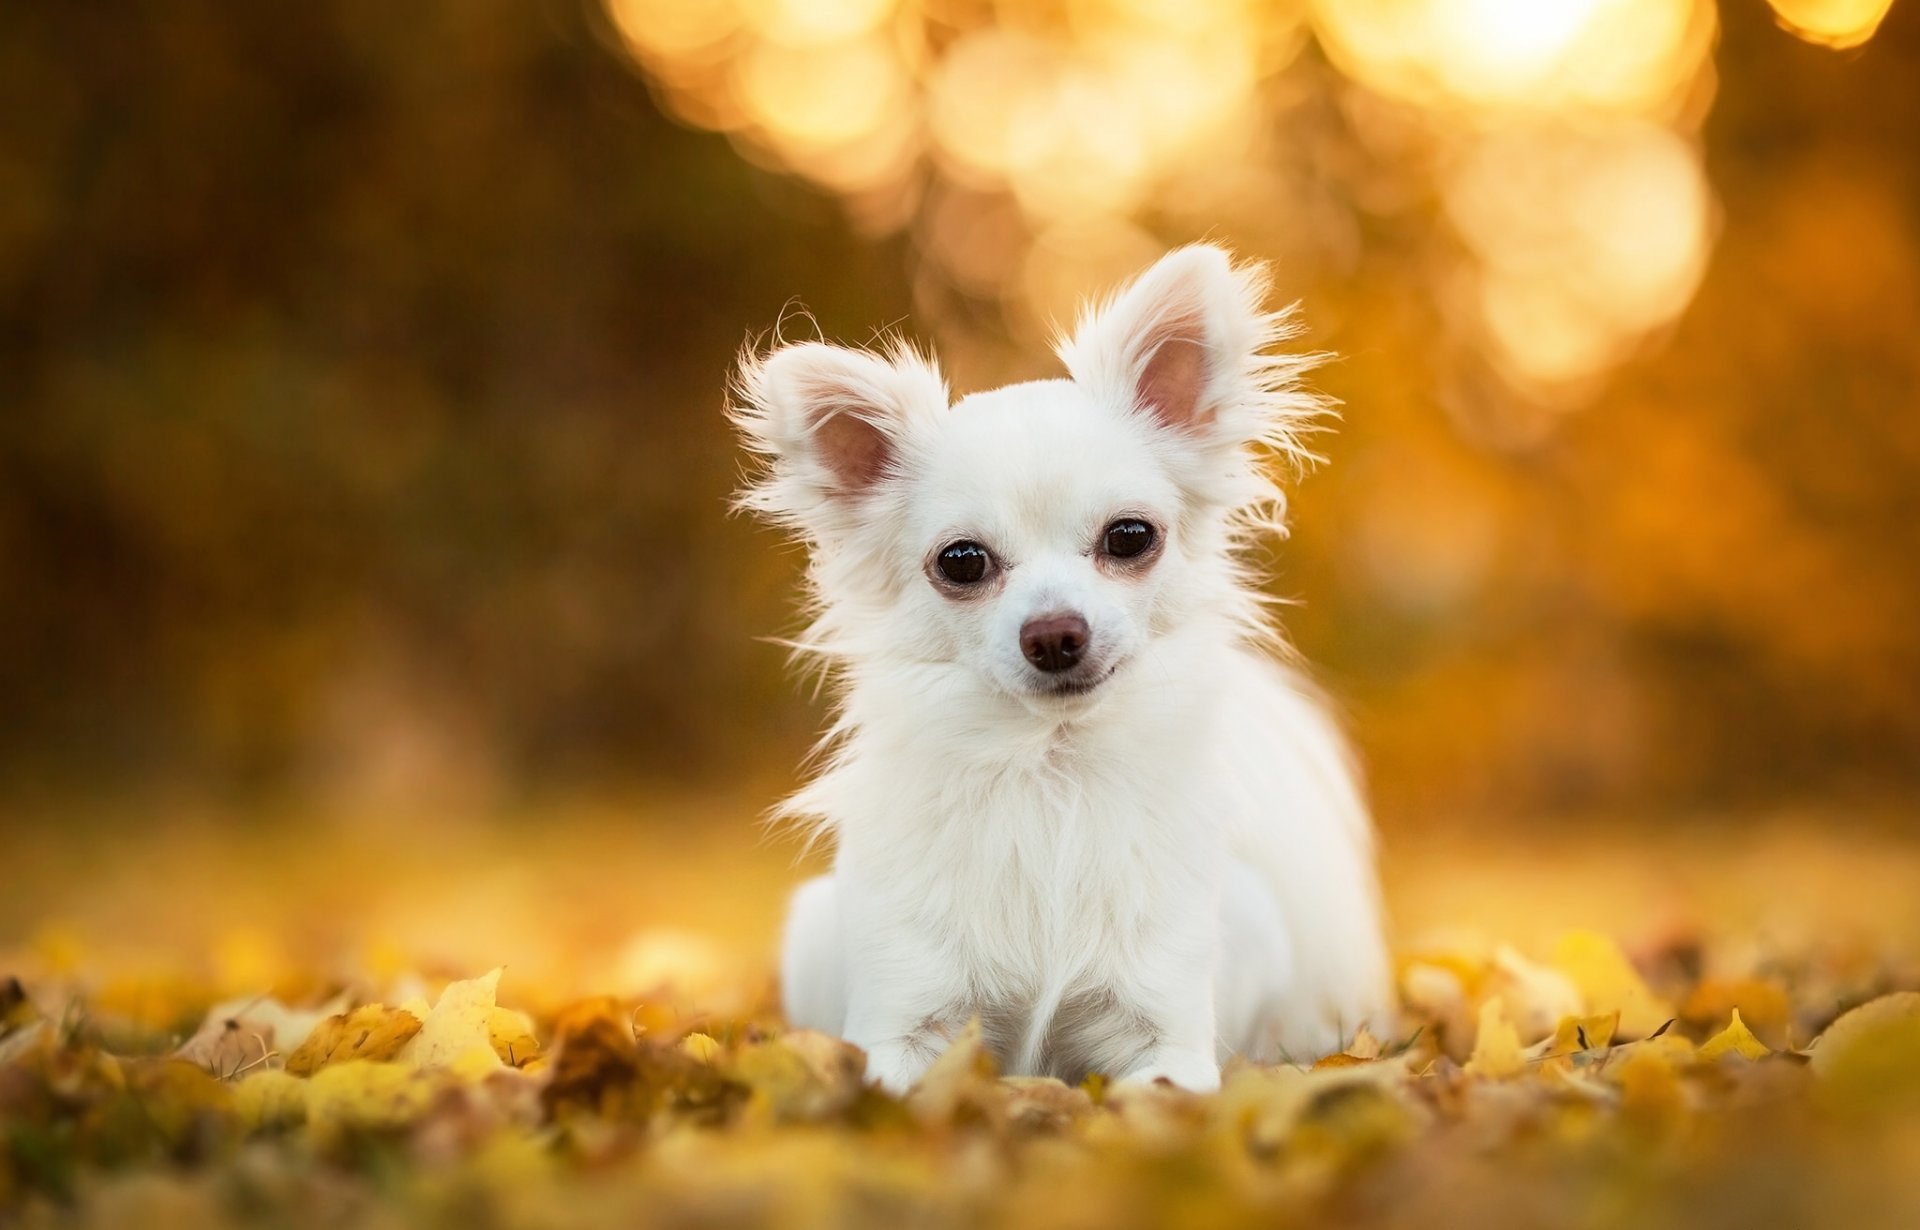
1105 114
1615 55
1832 23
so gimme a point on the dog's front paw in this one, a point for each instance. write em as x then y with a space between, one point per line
1194 1071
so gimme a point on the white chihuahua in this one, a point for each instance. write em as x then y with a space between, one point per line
1072 789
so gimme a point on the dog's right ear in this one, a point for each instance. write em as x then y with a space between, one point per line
832 424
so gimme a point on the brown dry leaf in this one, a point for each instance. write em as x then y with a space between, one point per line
371 1031
1043 1104
244 1034
595 1062
962 1076
16 1009
1735 1039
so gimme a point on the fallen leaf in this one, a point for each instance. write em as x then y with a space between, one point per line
1762 1004
957 1079
371 1031
1869 1058
1496 1044
360 1094
1608 982
270 1098
510 1034
457 1029
248 1033
1735 1039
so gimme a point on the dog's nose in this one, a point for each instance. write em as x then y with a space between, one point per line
1054 642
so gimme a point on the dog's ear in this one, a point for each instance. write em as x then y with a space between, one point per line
1186 343
831 423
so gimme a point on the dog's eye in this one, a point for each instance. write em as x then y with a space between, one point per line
964 563
1128 537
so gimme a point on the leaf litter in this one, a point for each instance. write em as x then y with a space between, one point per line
1576 1088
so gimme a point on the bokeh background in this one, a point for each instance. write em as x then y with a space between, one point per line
362 367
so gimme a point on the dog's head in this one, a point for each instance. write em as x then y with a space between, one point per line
1035 540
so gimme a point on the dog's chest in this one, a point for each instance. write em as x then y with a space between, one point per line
1057 914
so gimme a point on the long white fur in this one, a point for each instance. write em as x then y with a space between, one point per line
1140 880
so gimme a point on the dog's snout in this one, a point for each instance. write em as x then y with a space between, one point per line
1054 642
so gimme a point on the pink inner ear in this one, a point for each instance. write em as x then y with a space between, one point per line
855 450
1174 377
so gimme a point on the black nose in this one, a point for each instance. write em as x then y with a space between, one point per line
1054 642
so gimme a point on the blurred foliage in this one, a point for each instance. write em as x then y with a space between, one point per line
362 363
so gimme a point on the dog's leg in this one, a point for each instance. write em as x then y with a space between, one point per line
900 1033
1180 1011
1256 967
813 975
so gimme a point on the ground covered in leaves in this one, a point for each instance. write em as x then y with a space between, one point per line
1678 1073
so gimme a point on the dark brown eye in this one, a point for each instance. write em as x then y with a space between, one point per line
963 563
1128 537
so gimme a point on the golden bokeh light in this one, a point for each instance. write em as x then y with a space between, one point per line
1562 139
830 96
1832 23
1587 240
667 31
804 22
1630 56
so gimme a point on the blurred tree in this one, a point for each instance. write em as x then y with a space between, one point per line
362 368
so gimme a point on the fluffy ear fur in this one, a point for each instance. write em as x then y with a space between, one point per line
1186 344
831 424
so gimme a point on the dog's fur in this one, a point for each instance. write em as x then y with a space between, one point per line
1135 866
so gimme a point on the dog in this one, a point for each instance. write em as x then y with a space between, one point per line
1076 789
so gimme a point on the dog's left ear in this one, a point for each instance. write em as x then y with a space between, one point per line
1186 344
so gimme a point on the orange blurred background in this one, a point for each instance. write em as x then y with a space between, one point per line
363 365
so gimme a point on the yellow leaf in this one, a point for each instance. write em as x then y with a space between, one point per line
457 1026
1608 982
371 1031
701 1047
1364 1045
1762 1003
1496 1046
1735 1039
269 1099
511 1034
362 1094
1584 1033
1870 1057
